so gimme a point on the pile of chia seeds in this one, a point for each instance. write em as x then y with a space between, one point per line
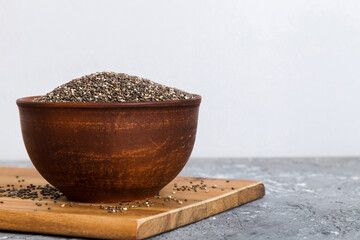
113 87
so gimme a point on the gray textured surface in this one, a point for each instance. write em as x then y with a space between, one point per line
306 198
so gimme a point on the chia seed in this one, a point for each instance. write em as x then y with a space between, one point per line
113 87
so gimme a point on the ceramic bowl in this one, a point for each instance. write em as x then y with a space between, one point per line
109 152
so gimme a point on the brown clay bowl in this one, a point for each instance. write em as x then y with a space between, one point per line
109 152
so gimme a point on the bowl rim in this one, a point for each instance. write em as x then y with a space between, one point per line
26 102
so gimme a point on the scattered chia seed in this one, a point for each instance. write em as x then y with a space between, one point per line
31 192
113 87
47 191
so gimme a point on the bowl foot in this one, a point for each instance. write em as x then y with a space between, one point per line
110 196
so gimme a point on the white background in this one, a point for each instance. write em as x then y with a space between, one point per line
278 78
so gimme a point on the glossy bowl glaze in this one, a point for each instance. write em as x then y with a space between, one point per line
109 152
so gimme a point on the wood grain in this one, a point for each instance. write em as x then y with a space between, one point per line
83 220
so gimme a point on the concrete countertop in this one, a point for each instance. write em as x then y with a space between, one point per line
306 198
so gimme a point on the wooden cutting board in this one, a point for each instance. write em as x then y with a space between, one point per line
86 220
